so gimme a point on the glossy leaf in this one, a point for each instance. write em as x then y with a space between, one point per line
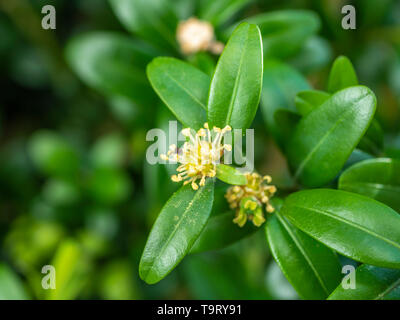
372 283
236 86
281 83
153 20
182 87
375 178
358 227
308 100
325 138
230 175
284 32
176 229
312 268
342 75
113 64
220 231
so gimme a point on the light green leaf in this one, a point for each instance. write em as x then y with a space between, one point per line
312 268
182 87
308 100
230 175
281 83
220 231
112 63
11 286
176 229
236 86
358 227
375 178
325 138
372 283
342 75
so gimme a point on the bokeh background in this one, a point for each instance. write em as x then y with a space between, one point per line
75 189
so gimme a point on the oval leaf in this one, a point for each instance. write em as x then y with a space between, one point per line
230 175
182 87
113 64
325 138
342 75
220 232
176 229
358 227
311 268
236 85
372 283
374 178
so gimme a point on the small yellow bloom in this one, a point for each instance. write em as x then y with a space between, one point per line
248 200
199 155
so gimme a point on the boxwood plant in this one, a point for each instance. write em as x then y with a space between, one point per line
345 200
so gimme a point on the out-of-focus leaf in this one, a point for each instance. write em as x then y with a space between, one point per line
372 283
372 141
312 268
358 227
230 175
11 287
176 229
281 83
203 61
325 138
108 151
308 100
342 75
182 87
153 20
220 231
375 178
60 192
112 63
236 86
284 32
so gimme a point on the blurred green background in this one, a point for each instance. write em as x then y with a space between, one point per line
75 189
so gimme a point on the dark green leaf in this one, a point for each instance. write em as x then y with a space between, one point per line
281 83
312 268
153 20
308 100
236 85
375 178
230 175
284 32
372 141
176 229
372 283
325 138
220 231
113 64
182 87
342 75
358 227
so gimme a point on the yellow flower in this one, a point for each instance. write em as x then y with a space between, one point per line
248 200
199 155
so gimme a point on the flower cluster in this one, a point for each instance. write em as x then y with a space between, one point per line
195 35
249 199
199 155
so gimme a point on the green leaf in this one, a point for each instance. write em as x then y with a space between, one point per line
153 20
281 83
176 229
342 75
11 286
230 175
284 32
312 268
236 86
219 12
372 141
375 178
220 231
182 87
308 100
358 227
325 138
372 283
113 64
